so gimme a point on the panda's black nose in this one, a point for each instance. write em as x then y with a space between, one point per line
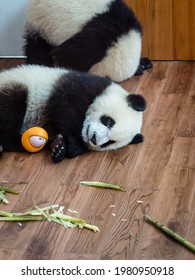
93 139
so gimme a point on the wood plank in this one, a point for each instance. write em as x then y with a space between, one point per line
160 30
180 78
11 254
132 83
186 126
80 257
184 35
168 28
157 22
141 10
18 167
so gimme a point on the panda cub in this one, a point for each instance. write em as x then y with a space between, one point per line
102 37
88 112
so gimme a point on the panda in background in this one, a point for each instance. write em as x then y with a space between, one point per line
88 112
103 37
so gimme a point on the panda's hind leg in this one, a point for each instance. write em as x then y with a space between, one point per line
11 145
145 64
36 49
12 111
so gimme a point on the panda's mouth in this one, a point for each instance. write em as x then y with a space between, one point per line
96 140
89 139
108 143
92 144
93 140
102 146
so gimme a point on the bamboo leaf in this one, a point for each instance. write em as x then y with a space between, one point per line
171 233
3 190
3 198
67 218
42 212
102 185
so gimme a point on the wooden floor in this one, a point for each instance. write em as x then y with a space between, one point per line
159 176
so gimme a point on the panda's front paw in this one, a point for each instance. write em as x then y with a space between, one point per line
146 63
58 148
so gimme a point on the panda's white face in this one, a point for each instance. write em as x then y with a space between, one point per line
111 122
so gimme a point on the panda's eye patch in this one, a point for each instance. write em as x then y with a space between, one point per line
107 143
107 121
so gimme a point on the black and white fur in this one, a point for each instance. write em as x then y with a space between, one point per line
88 112
100 36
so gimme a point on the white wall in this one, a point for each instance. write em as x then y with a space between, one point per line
12 21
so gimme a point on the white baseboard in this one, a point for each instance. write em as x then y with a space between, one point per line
12 56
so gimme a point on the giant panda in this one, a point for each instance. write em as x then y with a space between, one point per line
87 112
103 37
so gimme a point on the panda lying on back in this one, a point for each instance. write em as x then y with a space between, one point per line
87 111
100 36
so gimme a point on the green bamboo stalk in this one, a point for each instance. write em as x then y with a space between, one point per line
21 218
56 217
171 233
8 190
47 213
35 212
5 214
67 218
92 227
102 185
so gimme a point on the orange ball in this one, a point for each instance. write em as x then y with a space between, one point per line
34 139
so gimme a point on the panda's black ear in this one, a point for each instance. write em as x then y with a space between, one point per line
138 138
136 101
